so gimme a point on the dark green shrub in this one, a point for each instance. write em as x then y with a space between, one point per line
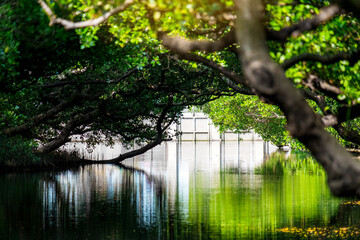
17 152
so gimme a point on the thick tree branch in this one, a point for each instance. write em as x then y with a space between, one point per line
197 58
63 137
93 22
174 45
353 58
158 139
309 24
230 77
318 99
178 44
331 119
328 119
335 120
270 82
40 118
182 45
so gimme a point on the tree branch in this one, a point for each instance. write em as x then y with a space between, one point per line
328 119
309 24
40 118
317 84
63 137
63 83
93 22
178 44
353 58
226 72
158 139
269 81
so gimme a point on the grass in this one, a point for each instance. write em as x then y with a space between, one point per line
299 162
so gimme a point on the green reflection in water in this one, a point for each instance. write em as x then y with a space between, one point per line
255 206
107 202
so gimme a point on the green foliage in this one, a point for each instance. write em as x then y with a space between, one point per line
95 62
299 162
17 152
34 55
337 35
9 46
243 113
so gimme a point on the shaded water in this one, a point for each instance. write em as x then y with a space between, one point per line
181 192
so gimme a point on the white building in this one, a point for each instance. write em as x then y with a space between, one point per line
194 127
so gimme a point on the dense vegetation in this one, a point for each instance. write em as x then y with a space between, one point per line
56 84
124 70
298 162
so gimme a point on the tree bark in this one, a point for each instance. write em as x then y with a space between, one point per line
269 81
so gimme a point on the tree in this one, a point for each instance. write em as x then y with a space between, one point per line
282 45
298 56
52 90
244 113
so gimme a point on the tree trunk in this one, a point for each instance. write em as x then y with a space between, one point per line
269 81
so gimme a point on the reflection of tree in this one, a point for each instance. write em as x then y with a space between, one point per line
124 202
20 206
242 210
347 215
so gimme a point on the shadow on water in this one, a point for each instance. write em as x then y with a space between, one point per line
179 191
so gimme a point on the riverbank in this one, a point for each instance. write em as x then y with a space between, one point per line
17 156
38 162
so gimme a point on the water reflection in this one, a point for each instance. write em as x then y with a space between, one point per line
183 190
171 158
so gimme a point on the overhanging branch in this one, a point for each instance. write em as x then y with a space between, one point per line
178 44
353 58
158 139
309 24
63 137
40 118
93 82
89 23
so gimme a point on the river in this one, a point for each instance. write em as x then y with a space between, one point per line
180 190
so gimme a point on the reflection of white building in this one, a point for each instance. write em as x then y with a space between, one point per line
176 169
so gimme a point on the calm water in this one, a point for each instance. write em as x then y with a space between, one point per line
182 191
